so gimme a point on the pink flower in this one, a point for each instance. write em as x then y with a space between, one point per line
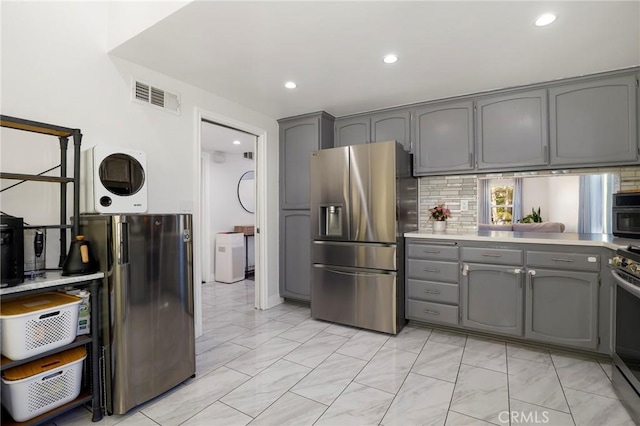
440 213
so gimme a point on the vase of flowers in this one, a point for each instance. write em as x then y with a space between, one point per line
439 215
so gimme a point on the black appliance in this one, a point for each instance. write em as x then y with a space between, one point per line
12 250
626 214
625 268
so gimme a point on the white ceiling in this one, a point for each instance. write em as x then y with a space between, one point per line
219 138
245 51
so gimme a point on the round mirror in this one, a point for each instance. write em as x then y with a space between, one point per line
121 174
246 192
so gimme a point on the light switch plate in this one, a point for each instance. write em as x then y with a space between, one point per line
464 205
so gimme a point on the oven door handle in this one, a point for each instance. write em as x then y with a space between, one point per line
625 285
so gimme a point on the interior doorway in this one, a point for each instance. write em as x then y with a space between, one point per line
203 253
228 205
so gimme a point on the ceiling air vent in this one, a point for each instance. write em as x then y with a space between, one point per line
147 94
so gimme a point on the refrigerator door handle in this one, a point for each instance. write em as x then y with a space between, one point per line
123 241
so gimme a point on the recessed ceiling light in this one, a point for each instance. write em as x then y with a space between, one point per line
290 85
390 59
236 142
545 19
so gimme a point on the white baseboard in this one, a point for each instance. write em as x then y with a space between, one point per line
274 300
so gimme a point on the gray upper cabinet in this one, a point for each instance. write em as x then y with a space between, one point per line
492 298
511 131
298 138
295 255
392 125
353 131
443 138
562 307
594 123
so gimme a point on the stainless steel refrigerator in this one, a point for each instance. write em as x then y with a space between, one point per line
363 199
147 303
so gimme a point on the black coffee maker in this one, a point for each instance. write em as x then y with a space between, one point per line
12 250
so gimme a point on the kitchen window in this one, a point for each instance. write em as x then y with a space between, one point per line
501 207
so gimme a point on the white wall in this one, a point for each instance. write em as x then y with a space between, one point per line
564 199
226 211
535 194
55 69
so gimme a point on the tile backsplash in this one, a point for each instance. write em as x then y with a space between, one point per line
449 190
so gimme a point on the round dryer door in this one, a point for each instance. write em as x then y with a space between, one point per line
121 174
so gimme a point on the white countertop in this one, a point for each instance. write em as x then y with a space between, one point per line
565 238
52 279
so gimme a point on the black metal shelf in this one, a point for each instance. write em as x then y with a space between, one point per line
6 363
63 134
19 176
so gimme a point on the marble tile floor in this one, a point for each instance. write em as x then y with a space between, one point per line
280 367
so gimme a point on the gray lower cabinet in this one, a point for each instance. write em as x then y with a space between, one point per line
492 298
594 123
432 285
562 307
443 138
295 255
394 125
511 131
299 137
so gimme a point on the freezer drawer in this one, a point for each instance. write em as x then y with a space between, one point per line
356 255
357 297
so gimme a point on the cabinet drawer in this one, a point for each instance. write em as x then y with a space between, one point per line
430 270
432 312
577 261
433 292
425 251
493 256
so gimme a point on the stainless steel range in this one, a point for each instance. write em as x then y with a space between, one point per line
625 268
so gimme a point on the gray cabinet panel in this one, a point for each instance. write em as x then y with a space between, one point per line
497 256
430 270
392 126
575 261
443 137
429 251
594 122
562 307
492 298
295 255
512 131
432 312
433 292
298 138
352 131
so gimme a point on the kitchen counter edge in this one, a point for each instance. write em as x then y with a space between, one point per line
565 238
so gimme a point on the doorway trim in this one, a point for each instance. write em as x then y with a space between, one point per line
260 148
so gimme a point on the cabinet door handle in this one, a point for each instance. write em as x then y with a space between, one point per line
465 270
532 272
491 255
559 259
471 159
517 271
432 291
432 251
436 271
426 311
